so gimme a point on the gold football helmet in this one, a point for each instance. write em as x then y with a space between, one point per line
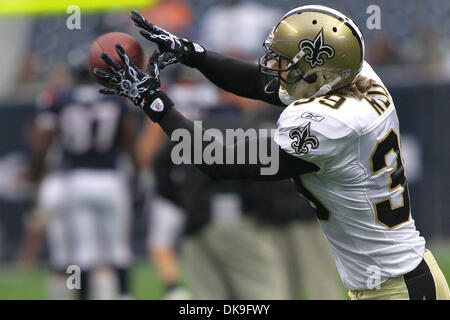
310 52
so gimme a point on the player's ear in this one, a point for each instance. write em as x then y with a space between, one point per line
311 78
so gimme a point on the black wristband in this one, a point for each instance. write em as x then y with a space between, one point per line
197 54
156 104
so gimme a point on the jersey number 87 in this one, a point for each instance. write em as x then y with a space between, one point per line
84 129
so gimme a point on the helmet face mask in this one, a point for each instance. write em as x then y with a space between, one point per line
277 69
274 63
311 51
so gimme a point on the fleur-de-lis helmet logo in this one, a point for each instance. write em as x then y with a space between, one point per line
303 140
316 50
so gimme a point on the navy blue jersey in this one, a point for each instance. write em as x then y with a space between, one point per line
88 125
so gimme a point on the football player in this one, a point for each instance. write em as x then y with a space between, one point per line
86 203
338 141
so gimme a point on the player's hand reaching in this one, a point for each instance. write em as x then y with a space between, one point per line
141 88
183 50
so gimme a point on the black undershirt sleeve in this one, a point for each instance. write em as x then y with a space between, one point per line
288 166
236 76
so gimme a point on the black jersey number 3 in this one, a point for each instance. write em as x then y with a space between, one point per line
385 213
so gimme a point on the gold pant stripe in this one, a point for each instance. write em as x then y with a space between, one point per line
396 289
442 289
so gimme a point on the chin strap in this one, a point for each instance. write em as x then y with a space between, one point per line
326 88
287 99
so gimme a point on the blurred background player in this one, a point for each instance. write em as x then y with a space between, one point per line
165 216
84 201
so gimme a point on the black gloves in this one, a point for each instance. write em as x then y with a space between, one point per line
142 88
139 87
183 50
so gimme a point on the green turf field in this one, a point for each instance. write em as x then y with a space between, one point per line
16 283
31 284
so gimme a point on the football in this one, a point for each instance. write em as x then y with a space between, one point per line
106 43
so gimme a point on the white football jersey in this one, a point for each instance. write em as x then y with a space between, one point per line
360 192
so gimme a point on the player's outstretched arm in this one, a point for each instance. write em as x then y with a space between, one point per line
237 76
230 74
143 90
287 165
